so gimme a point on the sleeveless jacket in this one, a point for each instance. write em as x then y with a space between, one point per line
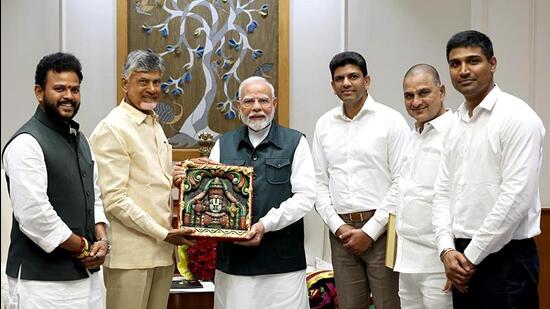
280 251
70 191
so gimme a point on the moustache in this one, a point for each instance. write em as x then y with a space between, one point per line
257 114
419 108
66 101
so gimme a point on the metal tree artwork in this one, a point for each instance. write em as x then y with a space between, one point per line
211 38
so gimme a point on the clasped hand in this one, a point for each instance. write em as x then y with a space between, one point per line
97 255
354 240
459 271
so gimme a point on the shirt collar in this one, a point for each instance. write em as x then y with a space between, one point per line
369 105
487 103
136 115
441 123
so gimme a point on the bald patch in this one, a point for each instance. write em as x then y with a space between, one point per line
423 69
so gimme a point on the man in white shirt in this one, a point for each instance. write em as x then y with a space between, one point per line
356 150
487 203
421 273
58 239
269 269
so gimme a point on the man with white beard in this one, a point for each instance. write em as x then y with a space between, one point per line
135 177
269 269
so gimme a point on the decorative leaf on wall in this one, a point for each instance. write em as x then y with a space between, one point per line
215 37
263 70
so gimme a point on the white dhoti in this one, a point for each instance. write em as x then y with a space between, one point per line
82 294
284 291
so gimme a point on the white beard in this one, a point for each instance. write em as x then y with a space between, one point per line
257 125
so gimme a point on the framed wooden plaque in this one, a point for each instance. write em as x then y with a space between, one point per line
216 200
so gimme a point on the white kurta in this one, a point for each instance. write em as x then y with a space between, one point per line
286 290
279 291
24 164
416 247
422 276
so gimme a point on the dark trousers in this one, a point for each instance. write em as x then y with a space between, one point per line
505 279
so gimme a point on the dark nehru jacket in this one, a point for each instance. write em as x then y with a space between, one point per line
70 191
280 251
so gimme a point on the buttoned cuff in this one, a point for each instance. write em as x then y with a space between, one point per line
444 243
474 254
334 223
373 229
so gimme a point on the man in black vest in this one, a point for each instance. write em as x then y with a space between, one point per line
58 234
268 270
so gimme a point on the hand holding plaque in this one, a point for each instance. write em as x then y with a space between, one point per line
216 200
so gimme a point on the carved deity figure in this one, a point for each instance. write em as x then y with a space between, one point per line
215 206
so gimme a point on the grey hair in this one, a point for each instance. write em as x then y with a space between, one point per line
142 61
254 79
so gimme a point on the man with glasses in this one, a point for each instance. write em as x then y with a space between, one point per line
268 270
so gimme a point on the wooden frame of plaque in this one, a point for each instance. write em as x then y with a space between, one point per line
216 200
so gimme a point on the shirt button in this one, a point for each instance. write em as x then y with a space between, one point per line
90 212
88 193
254 158
84 174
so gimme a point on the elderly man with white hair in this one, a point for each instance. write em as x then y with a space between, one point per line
269 269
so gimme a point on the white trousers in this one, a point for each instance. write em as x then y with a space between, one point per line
281 291
82 294
424 291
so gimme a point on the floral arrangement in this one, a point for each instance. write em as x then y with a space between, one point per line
198 261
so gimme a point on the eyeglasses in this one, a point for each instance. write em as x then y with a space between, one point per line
248 102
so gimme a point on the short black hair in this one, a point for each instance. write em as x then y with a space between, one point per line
471 38
57 62
348 57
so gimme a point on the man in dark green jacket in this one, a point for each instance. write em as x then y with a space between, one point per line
58 236
268 270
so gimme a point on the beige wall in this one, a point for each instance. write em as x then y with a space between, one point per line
392 34
31 29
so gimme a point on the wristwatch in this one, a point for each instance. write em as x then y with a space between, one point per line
444 252
108 243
